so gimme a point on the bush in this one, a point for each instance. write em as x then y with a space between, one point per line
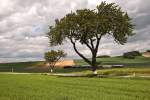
132 54
103 56
148 50
128 55
136 53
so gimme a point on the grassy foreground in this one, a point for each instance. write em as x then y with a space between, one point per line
43 87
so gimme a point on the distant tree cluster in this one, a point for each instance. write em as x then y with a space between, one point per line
148 50
132 54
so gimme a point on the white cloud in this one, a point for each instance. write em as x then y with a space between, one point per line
24 24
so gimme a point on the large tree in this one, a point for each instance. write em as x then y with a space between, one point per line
88 26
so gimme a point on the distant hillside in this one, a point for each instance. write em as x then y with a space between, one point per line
40 66
36 66
20 66
138 61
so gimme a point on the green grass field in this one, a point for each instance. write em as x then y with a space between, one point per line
137 62
43 87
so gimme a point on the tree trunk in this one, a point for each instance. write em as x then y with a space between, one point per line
51 70
94 65
94 69
93 51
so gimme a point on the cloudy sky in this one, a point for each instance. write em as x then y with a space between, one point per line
23 24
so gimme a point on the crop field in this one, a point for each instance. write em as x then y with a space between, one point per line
39 66
43 87
137 62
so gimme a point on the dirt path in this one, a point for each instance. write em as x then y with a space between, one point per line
76 75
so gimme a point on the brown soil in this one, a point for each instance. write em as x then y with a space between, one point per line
65 63
146 54
43 66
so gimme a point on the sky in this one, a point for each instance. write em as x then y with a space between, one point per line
24 24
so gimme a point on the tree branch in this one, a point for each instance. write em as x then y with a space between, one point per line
97 43
91 41
88 46
84 58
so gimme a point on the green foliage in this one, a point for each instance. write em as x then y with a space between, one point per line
88 26
136 53
148 50
42 87
132 54
128 55
54 56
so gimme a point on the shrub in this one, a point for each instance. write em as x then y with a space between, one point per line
148 50
132 54
136 53
128 55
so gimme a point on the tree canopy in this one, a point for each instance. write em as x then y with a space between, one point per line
52 57
88 26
